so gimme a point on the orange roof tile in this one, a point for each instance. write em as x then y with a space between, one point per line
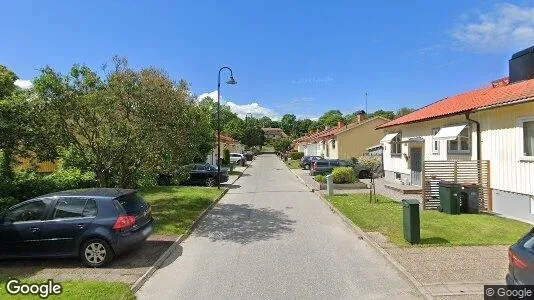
498 93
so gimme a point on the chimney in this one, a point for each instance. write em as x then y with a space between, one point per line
521 65
360 116
340 124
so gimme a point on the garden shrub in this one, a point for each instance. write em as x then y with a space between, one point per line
297 155
226 156
320 178
68 179
343 175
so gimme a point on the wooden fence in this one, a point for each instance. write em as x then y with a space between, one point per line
40 167
462 172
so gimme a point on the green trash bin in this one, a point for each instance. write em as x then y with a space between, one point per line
411 222
449 197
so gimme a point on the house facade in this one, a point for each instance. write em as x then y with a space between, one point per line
343 141
494 123
227 143
273 133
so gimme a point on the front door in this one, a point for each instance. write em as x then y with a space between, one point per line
416 164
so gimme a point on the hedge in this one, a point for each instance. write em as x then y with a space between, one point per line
343 175
297 155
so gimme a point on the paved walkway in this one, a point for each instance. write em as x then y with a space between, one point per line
270 238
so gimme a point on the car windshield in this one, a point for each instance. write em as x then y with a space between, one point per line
133 204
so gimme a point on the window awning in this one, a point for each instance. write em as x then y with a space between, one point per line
389 137
449 133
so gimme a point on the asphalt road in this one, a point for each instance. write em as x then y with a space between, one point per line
271 238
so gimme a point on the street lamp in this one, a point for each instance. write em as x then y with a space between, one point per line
230 81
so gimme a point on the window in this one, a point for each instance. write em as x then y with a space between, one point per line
396 146
74 208
397 176
333 144
33 211
528 137
435 143
461 144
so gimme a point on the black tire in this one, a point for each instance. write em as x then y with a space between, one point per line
96 253
364 174
306 167
210 182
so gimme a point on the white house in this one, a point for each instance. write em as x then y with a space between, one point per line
494 123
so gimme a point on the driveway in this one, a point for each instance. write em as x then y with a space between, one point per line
270 237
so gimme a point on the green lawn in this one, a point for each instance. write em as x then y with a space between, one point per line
436 228
79 290
293 164
175 208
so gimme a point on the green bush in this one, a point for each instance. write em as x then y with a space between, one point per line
226 156
343 175
297 155
27 185
7 202
320 178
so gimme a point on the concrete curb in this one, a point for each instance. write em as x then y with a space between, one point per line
138 284
416 284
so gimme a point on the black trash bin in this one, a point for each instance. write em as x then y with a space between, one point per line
470 198
411 222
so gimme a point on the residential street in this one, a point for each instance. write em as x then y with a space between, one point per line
271 238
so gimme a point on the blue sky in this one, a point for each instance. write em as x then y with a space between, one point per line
302 57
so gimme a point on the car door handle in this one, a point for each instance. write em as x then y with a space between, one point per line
80 226
34 229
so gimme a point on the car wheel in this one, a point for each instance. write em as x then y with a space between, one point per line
96 253
306 167
210 182
364 174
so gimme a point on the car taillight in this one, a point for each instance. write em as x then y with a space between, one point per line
314 165
124 222
516 261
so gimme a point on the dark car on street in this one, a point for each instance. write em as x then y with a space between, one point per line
521 261
306 161
205 174
325 166
92 224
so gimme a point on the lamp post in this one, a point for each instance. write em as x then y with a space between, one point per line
230 81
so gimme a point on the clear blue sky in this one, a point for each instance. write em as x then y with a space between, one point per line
302 57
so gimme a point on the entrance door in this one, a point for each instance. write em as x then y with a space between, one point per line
416 164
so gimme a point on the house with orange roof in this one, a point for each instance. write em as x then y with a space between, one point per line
226 143
492 124
343 141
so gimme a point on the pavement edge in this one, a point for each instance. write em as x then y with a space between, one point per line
138 284
416 284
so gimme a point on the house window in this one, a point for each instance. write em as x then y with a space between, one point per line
528 137
396 146
462 144
333 144
397 176
435 143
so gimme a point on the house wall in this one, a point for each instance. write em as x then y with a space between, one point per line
401 164
332 150
311 149
355 141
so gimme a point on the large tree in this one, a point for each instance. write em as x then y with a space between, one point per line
126 124
287 123
331 118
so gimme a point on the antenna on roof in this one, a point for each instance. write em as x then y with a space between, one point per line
366 102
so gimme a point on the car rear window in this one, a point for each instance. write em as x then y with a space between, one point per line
132 204
529 243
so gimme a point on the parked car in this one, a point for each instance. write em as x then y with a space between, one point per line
92 224
325 166
237 158
206 174
306 161
521 259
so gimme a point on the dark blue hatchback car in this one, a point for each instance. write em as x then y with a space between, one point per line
93 224
521 258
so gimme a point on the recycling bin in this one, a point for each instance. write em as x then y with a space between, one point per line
411 222
449 197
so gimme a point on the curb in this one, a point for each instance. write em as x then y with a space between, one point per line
416 284
138 284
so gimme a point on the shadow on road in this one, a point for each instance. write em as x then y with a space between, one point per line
243 224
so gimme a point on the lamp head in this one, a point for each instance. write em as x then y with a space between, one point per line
232 80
